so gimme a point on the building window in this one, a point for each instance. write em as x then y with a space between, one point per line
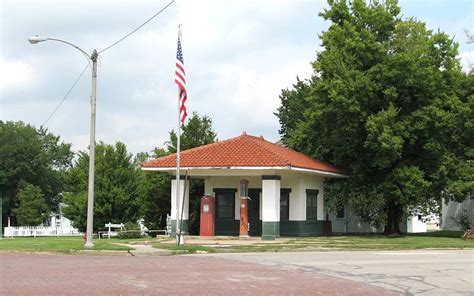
341 213
285 204
225 203
312 204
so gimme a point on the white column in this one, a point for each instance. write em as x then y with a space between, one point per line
321 214
271 200
173 200
270 207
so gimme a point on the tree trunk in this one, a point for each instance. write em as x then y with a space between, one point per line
394 215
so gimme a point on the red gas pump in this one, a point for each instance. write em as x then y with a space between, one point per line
244 209
208 205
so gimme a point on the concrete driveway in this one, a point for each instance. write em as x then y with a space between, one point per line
424 272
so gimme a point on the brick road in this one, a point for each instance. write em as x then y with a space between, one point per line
40 274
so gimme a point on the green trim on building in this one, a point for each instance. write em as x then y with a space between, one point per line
271 177
302 228
173 228
270 230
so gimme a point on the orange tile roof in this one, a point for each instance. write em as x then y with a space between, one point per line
242 151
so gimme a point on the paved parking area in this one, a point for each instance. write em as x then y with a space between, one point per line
41 274
423 272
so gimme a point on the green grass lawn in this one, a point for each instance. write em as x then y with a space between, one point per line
56 244
430 240
435 240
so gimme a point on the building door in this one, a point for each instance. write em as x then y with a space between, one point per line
254 212
225 212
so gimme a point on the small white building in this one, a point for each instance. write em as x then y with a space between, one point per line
347 221
286 187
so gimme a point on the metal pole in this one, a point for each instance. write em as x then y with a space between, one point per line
90 193
179 240
178 178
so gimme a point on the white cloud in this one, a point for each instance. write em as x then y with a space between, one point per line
14 74
238 56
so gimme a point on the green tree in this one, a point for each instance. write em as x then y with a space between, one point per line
196 132
32 209
385 105
117 187
293 106
34 156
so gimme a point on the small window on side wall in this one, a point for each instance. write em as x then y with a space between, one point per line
312 204
285 204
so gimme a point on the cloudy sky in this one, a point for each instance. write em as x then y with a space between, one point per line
238 56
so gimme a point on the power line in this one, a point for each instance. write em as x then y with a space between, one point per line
65 97
138 28
108 47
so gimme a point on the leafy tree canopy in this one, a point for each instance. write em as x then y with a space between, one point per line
196 132
34 156
388 104
32 209
117 187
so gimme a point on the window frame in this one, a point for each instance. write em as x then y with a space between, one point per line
313 208
285 209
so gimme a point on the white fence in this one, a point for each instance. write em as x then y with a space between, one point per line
40 231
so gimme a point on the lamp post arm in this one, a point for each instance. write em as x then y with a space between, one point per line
75 46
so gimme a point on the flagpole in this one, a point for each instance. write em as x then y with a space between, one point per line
179 240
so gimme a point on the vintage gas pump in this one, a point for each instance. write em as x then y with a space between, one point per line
207 225
244 209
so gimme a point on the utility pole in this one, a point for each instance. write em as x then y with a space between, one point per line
90 192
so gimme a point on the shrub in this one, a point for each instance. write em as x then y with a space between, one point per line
131 230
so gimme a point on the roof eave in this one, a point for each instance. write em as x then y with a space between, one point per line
287 168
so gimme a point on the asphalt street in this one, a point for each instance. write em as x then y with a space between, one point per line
424 272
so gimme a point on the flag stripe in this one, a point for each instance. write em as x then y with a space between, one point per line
180 80
180 77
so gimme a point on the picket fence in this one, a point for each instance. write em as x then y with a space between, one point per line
40 231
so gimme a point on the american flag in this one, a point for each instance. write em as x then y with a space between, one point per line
180 79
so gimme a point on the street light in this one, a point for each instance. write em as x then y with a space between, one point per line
90 194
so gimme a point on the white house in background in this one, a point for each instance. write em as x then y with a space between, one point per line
286 187
59 221
56 225
452 210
